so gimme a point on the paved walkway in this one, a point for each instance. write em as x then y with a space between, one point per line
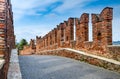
54 67
14 69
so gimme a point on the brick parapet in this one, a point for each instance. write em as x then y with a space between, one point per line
63 35
82 30
29 49
102 28
68 32
82 56
114 50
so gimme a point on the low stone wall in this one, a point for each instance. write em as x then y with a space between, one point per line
89 58
114 50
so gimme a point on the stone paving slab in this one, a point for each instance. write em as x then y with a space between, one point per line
14 68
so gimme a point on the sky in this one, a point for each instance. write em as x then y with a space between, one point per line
37 17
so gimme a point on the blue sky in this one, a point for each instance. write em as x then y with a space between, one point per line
38 17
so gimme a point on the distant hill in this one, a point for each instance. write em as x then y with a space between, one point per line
116 42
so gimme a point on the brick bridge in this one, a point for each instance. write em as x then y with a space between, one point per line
74 34
68 39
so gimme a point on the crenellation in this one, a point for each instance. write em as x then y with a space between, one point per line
107 13
59 35
48 37
84 18
54 38
77 21
63 35
102 29
69 32
29 49
96 18
38 43
82 30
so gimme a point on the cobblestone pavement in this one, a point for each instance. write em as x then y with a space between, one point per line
55 67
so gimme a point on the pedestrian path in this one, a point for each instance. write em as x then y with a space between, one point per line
14 69
55 67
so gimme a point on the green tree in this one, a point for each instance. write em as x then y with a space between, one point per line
17 44
22 43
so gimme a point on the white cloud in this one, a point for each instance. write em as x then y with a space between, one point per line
30 32
29 7
70 4
75 7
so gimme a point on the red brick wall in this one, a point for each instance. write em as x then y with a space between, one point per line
102 29
69 32
63 35
82 30
114 51
38 43
7 37
58 35
54 38
31 49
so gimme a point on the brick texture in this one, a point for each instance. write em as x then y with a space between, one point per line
82 30
27 50
63 35
7 37
82 57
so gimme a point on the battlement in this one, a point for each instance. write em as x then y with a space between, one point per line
63 35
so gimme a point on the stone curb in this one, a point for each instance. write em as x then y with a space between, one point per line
14 68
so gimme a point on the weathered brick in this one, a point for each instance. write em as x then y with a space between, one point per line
63 35
7 37
82 30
